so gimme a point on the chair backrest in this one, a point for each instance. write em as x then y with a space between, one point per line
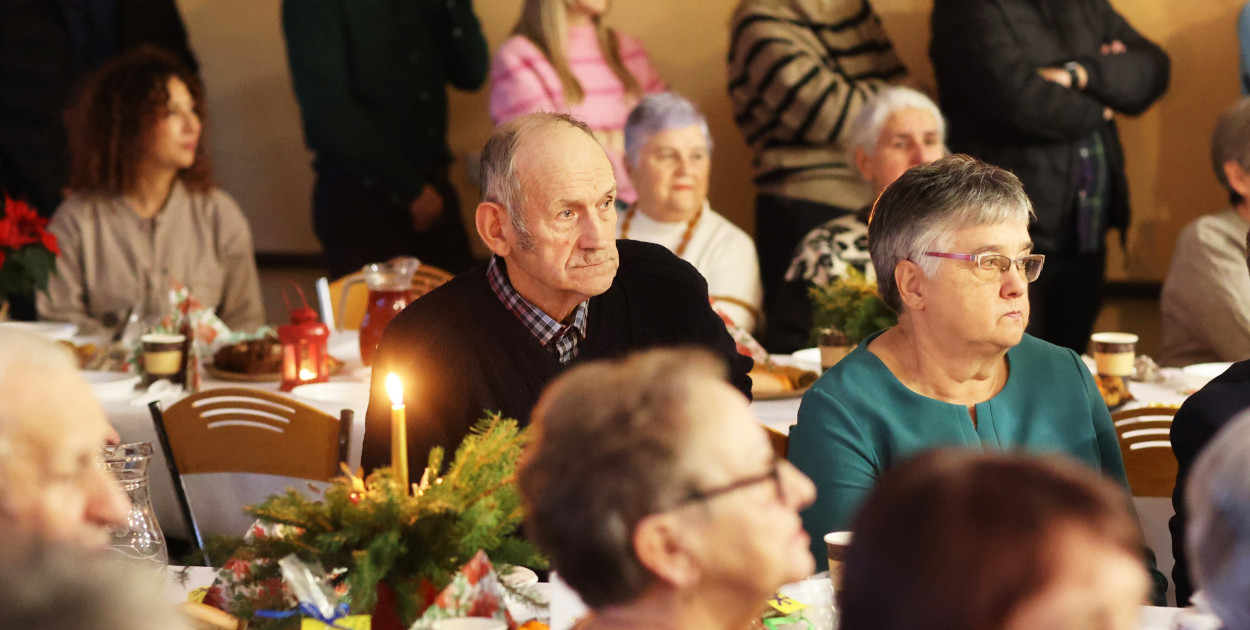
1147 449
239 430
347 314
779 440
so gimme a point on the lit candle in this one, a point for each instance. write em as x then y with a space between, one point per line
399 431
307 375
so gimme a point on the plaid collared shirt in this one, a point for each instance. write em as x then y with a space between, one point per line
562 340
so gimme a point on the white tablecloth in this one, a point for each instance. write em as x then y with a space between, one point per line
134 424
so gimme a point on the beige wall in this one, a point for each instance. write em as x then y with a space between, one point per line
261 160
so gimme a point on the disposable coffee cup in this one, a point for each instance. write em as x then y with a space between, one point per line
1114 353
470 623
162 354
836 543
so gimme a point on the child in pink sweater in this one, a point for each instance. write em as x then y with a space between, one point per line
593 72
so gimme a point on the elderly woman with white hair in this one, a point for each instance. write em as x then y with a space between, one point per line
1218 536
950 242
668 154
896 130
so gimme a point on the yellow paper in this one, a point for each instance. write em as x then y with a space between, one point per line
785 605
351 622
197 596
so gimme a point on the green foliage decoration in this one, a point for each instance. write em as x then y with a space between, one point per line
850 305
413 542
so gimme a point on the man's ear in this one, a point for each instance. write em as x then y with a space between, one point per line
1237 177
907 277
660 545
861 162
494 227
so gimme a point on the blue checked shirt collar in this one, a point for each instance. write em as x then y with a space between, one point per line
562 340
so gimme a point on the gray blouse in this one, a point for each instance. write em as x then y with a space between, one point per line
108 253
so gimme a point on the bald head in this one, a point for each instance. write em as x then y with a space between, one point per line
51 429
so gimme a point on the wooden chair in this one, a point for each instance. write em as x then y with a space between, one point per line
779 440
1147 449
1145 445
240 430
346 314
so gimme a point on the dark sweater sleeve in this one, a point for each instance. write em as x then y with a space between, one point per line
1131 81
436 383
1192 428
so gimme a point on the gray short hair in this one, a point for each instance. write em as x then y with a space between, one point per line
1217 498
656 113
1230 141
918 212
866 127
609 444
499 181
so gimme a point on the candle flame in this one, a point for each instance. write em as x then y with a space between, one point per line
394 389
307 375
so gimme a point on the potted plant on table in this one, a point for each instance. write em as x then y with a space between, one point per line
845 311
27 252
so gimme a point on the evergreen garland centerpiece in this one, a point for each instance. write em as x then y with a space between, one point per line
849 305
369 532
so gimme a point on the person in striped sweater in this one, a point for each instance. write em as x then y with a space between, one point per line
562 58
799 71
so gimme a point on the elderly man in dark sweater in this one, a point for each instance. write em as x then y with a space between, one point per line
559 289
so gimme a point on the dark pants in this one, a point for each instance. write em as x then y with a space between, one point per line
1066 298
358 225
780 224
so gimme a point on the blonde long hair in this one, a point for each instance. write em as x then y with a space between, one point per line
545 22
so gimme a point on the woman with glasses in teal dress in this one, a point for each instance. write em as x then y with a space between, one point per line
958 369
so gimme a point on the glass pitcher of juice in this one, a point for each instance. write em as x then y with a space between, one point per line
389 285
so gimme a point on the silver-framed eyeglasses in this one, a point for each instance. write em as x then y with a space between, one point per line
990 266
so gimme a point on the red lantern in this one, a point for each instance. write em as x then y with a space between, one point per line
304 358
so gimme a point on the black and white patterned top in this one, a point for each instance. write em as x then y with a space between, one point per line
827 251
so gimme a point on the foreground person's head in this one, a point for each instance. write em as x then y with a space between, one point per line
950 243
953 540
897 129
649 480
51 430
549 210
1217 537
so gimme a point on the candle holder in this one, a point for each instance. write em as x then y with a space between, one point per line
304 358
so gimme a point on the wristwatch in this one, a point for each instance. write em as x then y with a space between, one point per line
1075 76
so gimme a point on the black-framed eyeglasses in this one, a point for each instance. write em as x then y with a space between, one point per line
773 474
990 267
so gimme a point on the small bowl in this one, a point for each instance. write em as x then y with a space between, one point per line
1199 374
55 331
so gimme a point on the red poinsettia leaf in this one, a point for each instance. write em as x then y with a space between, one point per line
50 244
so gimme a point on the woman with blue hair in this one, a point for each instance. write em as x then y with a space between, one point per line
668 153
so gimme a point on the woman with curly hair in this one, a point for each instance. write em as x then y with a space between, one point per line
143 211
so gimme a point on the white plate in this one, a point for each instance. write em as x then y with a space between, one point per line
349 394
56 331
111 386
1199 374
808 359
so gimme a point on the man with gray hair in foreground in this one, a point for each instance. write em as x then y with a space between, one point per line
51 430
558 289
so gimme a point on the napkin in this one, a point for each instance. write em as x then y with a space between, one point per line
475 591
158 390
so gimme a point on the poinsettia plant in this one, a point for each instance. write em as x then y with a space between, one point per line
28 250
